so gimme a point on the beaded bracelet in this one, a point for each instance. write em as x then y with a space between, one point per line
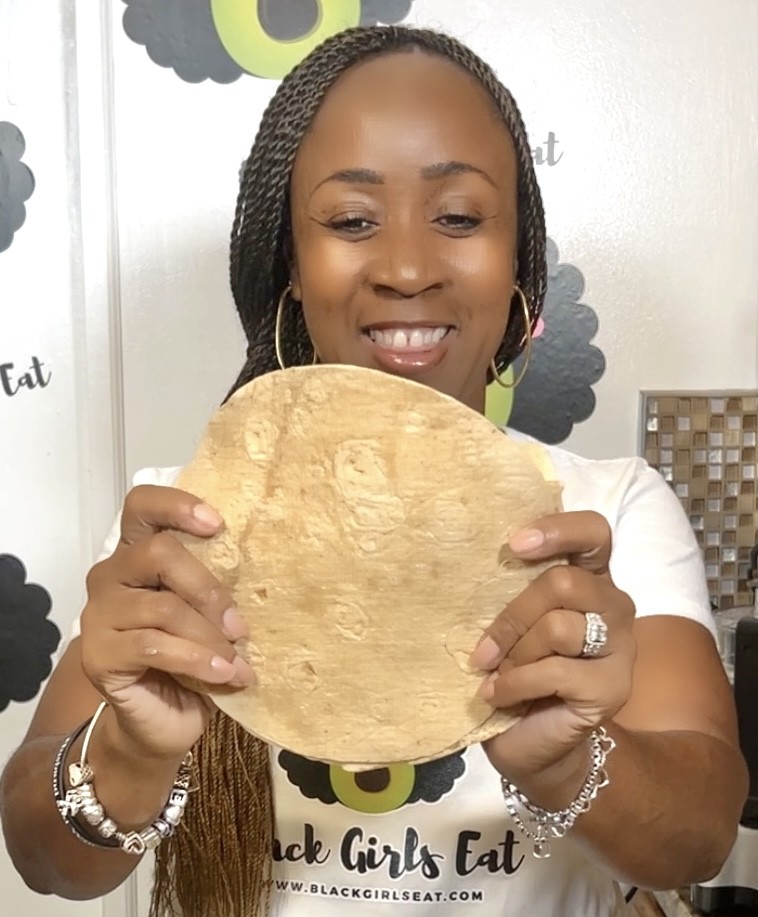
81 798
556 824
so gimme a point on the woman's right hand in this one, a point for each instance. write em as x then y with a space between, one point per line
153 612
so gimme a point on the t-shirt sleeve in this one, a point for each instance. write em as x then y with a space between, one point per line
656 558
165 477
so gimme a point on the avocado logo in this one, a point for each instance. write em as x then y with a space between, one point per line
373 792
222 39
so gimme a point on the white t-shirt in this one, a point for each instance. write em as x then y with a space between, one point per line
445 845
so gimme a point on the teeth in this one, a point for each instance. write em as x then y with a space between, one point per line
402 339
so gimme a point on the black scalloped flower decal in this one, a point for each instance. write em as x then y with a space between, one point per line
27 637
16 183
220 40
557 391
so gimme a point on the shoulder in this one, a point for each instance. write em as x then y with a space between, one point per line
656 558
606 486
165 477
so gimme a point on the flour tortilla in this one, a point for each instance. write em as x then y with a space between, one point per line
367 520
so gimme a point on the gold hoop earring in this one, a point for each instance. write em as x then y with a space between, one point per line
278 329
527 340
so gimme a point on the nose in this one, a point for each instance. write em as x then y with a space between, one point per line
404 262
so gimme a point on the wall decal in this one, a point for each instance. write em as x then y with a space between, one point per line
380 790
220 40
556 391
16 378
27 638
16 183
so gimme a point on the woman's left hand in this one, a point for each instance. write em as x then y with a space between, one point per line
533 651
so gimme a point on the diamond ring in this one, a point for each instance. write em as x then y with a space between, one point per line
595 635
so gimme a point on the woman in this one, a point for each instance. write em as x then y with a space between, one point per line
389 209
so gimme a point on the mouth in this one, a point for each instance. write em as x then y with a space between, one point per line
408 348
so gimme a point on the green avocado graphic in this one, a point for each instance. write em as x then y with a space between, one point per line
498 401
240 26
373 792
376 791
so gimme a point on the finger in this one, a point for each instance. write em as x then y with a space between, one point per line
155 649
163 610
559 632
562 586
595 688
584 537
149 508
161 562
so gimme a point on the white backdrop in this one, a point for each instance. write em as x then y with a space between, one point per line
117 280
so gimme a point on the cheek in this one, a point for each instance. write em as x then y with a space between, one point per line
485 276
329 273
328 268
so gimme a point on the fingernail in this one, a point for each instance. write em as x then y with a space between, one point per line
222 667
244 675
206 515
233 624
487 687
486 655
526 540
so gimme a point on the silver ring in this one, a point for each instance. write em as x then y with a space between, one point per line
595 635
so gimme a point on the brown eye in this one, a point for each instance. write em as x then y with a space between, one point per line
351 225
458 221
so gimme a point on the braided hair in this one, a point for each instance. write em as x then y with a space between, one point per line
219 861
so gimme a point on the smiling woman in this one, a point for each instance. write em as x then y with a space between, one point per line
407 255
389 218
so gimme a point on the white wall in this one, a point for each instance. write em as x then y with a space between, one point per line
118 278
654 200
50 482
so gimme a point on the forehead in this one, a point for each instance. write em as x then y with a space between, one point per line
402 110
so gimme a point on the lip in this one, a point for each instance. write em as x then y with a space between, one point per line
408 360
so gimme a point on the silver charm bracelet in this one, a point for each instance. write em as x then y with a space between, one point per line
540 825
81 798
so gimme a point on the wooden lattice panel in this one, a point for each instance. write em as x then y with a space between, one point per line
704 445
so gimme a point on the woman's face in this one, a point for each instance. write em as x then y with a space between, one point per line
404 224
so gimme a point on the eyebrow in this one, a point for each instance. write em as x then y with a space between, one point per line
436 170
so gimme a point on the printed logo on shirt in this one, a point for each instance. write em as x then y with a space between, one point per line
374 792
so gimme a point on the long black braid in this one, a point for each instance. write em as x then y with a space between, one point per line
261 235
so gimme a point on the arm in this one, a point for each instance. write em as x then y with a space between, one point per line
45 852
677 779
153 612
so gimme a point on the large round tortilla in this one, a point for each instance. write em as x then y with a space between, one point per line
367 520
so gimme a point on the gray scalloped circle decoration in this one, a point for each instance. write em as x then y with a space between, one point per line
16 183
386 12
556 392
27 637
180 34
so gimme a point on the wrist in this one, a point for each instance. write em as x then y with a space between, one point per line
114 740
542 823
131 784
555 785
